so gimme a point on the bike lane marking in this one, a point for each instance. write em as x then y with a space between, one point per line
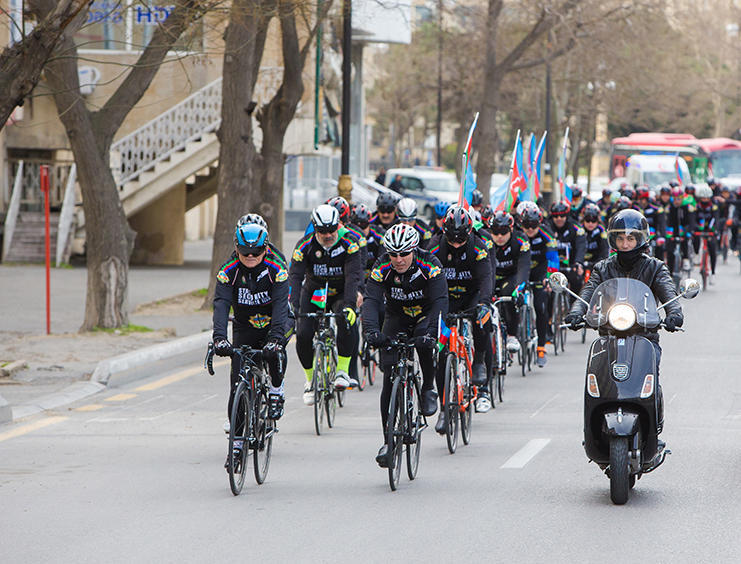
120 397
546 404
25 429
526 454
172 378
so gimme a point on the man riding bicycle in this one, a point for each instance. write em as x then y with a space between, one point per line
328 259
255 287
386 210
467 269
409 281
406 212
706 224
596 247
571 244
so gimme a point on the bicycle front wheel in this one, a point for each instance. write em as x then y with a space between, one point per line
238 431
450 403
414 426
263 429
320 381
395 434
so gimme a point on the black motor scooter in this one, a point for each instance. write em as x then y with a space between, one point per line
623 402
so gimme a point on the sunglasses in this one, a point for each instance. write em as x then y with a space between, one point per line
386 209
251 251
590 220
531 225
500 231
325 230
405 254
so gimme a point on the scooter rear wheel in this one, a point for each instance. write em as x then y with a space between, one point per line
619 470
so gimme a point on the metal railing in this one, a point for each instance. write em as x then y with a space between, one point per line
308 180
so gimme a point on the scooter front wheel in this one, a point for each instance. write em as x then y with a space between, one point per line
619 470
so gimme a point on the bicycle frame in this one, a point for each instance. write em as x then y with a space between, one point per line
457 345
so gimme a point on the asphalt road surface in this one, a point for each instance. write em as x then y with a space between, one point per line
135 474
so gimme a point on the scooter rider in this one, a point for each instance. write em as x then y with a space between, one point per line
628 235
467 269
409 281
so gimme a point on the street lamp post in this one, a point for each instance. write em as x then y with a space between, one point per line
344 185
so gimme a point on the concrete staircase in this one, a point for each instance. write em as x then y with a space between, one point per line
28 238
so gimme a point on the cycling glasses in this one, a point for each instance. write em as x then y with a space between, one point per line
404 254
500 230
531 224
250 251
325 229
386 209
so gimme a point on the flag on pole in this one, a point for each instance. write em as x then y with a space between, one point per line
517 180
443 333
466 165
499 196
536 168
531 148
678 169
470 186
319 297
562 186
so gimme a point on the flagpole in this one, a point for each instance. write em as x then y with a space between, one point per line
562 159
466 156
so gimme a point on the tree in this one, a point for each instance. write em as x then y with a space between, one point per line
21 64
110 240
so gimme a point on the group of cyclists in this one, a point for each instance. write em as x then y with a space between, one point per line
391 272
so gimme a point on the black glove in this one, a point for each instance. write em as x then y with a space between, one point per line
222 347
271 349
574 320
376 339
673 321
425 342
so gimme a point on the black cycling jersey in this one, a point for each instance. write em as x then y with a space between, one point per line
706 218
513 261
571 242
467 270
543 255
597 247
656 219
374 238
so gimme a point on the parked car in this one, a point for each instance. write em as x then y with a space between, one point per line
426 186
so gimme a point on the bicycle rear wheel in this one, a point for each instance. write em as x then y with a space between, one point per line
704 267
264 429
395 434
238 431
414 428
450 403
320 382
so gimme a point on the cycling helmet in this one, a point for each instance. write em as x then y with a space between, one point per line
325 218
530 214
673 183
406 209
703 191
559 209
606 192
457 224
502 222
725 188
677 192
623 203
386 202
641 193
441 208
629 193
477 198
252 218
361 216
689 189
250 238
486 214
665 189
576 192
591 212
628 222
340 204
401 238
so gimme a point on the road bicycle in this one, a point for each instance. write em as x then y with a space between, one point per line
250 430
500 358
405 421
560 310
459 392
704 258
526 332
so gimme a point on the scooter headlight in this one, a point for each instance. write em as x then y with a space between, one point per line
621 316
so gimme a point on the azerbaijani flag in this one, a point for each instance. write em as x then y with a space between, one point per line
319 297
517 180
462 200
534 183
531 155
469 186
499 196
562 186
443 333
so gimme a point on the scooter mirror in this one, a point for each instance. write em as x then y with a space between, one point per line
689 288
558 282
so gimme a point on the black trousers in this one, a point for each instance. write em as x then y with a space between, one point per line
540 303
712 250
346 337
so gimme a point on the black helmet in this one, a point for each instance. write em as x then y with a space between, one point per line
477 198
591 212
606 192
486 214
361 216
386 202
623 203
559 209
502 222
457 224
629 193
689 189
576 192
710 180
665 189
673 183
628 222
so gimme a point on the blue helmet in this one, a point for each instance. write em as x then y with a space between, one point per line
441 208
250 238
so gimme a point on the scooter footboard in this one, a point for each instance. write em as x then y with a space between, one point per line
623 424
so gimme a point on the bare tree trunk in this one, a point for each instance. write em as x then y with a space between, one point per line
21 64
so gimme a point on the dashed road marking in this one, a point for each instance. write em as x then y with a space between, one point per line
121 397
24 429
172 378
89 407
672 399
542 407
526 453
154 417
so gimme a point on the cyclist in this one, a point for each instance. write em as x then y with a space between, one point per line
543 262
373 235
512 249
578 201
386 210
406 212
605 202
255 287
467 268
655 218
596 247
273 252
725 203
441 208
571 244
406 288
328 258
481 228
477 200
706 222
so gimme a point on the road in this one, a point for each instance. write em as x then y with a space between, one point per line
135 474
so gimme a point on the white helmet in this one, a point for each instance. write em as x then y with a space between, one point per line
475 214
702 190
255 218
406 209
325 218
522 206
401 238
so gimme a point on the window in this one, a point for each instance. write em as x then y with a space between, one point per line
412 184
128 25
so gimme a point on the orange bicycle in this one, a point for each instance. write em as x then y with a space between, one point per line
460 393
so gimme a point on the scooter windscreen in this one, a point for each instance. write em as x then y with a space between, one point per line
623 303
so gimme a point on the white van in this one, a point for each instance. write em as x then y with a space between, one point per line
426 186
654 170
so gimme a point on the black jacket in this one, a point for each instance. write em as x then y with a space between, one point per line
571 242
467 270
649 270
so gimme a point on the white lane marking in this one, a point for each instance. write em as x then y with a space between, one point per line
179 408
542 407
526 453
673 398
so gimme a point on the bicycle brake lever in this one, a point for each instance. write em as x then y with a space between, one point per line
209 362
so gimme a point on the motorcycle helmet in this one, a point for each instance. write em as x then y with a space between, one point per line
340 204
457 224
325 218
401 238
406 209
250 239
628 222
